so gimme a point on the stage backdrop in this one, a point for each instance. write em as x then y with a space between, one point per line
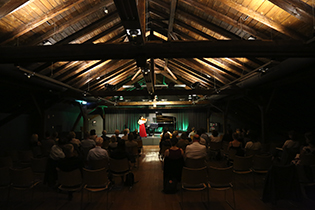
185 119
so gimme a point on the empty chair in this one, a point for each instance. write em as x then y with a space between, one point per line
70 181
98 164
23 179
261 164
242 165
194 179
38 166
96 181
222 179
195 163
119 167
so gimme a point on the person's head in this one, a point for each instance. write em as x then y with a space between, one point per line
121 145
214 133
86 135
72 135
175 134
68 150
196 138
235 136
54 135
140 117
174 141
113 138
93 132
34 137
131 137
47 134
117 132
104 132
184 135
136 131
166 136
126 131
99 141
193 129
292 135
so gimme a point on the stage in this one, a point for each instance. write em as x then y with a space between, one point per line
151 140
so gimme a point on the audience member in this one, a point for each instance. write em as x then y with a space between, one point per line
215 136
236 144
86 144
120 151
46 144
112 143
183 142
253 142
97 153
73 140
131 141
192 133
35 145
310 141
196 150
105 138
292 142
117 132
125 136
93 135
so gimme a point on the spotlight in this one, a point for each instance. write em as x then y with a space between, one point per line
133 33
105 10
195 85
121 98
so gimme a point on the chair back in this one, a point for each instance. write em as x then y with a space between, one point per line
21 177
194 176
215 146
307 159
70 178
195 163
262 162
4 176
220 176
98 164
249 152
6 161
95 178
118 165
38 165
242 163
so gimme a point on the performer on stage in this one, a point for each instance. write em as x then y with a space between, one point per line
141 123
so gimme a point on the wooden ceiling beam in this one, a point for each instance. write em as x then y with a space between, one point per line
8 6
38 21
223 17
265 20
178 49
296 8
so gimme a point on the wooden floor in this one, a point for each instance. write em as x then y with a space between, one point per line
147 194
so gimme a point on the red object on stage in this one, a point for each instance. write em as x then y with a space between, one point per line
142 131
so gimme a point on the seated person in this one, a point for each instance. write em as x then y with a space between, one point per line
236 144
215 136
173 165
97 153
253 142
183 142
196 150
292 142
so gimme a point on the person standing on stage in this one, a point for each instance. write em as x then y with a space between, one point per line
141 123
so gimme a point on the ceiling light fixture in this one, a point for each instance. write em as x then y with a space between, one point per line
133 32
105 10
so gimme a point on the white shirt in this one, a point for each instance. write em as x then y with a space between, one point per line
196 151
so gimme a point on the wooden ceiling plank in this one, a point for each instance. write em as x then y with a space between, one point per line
265 20
71 22
223 17
38 21
7 6
296 8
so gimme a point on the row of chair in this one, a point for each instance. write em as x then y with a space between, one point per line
208 178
